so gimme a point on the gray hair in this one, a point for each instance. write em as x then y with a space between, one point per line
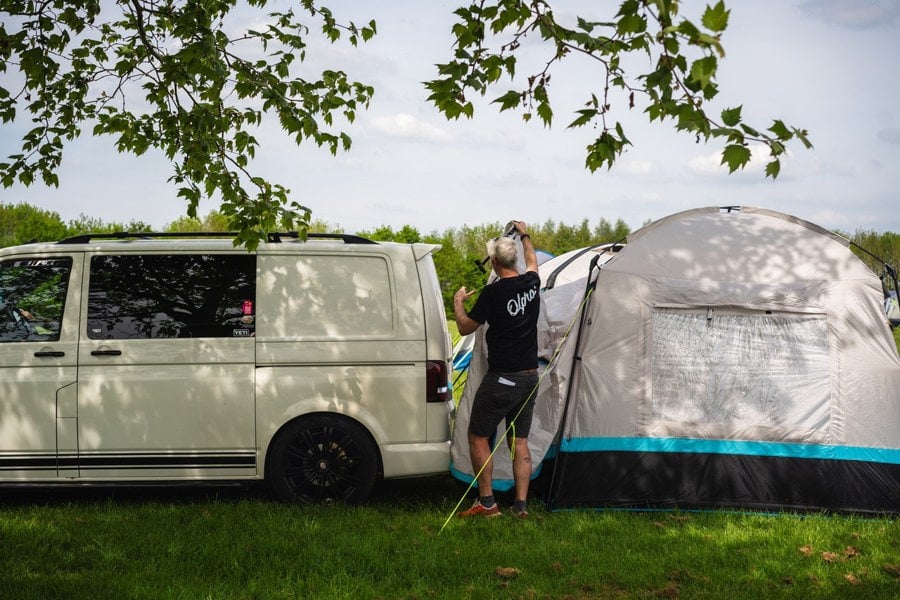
504 251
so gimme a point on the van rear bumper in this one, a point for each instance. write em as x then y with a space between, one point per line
405 460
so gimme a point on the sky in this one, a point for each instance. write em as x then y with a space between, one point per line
827 66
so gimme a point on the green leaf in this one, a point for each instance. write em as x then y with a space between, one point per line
703 70
585 25
631 24
803 136
671 44
545 112
715 18
688 30
735 156
585 116
510 99
749 130
731 116
780 130
773 168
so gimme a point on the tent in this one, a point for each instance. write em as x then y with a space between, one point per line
732 357
574 265
558 270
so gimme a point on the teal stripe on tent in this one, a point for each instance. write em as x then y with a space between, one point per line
739 447
500 485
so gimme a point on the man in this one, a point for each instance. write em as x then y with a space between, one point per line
510 306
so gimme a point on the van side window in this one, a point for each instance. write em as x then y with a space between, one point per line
328 296
135 296
32 298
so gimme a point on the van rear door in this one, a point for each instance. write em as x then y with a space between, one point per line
439 347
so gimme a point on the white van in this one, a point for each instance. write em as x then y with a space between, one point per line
317 365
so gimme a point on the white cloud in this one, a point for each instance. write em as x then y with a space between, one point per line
891 135
830 216
854 14
406 126
636 167
711 164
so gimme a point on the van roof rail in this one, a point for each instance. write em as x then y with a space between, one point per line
274 237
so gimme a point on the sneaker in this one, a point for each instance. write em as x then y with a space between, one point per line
479 510
520 513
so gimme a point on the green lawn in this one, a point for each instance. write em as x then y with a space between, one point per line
241 544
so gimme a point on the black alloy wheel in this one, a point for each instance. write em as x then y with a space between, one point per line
322 459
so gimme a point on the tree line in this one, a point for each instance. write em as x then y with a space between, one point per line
462 248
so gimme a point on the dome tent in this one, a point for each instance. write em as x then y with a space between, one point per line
557 311
727 357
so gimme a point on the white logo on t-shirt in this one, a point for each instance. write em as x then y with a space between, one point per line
516 306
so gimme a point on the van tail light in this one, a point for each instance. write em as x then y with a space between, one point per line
437 381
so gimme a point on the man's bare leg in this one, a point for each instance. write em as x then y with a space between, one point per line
480 452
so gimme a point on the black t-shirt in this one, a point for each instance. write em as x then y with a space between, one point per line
510 306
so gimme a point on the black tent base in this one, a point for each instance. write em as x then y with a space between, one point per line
640 480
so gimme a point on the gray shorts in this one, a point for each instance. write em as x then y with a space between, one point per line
502 396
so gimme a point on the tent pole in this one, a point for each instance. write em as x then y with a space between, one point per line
557 441
889 270
551 280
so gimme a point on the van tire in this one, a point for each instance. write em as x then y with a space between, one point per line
322 459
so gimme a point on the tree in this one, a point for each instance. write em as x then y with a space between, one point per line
684 57
165 74
86 224
22 223
405 235
605 232
879 250
454 266
384 233
213 221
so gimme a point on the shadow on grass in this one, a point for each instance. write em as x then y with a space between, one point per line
434 489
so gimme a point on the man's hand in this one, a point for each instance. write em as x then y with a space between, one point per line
462 295
521 227
531 263
464 324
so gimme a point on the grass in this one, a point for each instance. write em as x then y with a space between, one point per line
178 543
238 543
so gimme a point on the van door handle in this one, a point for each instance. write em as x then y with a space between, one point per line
43 353
106 353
